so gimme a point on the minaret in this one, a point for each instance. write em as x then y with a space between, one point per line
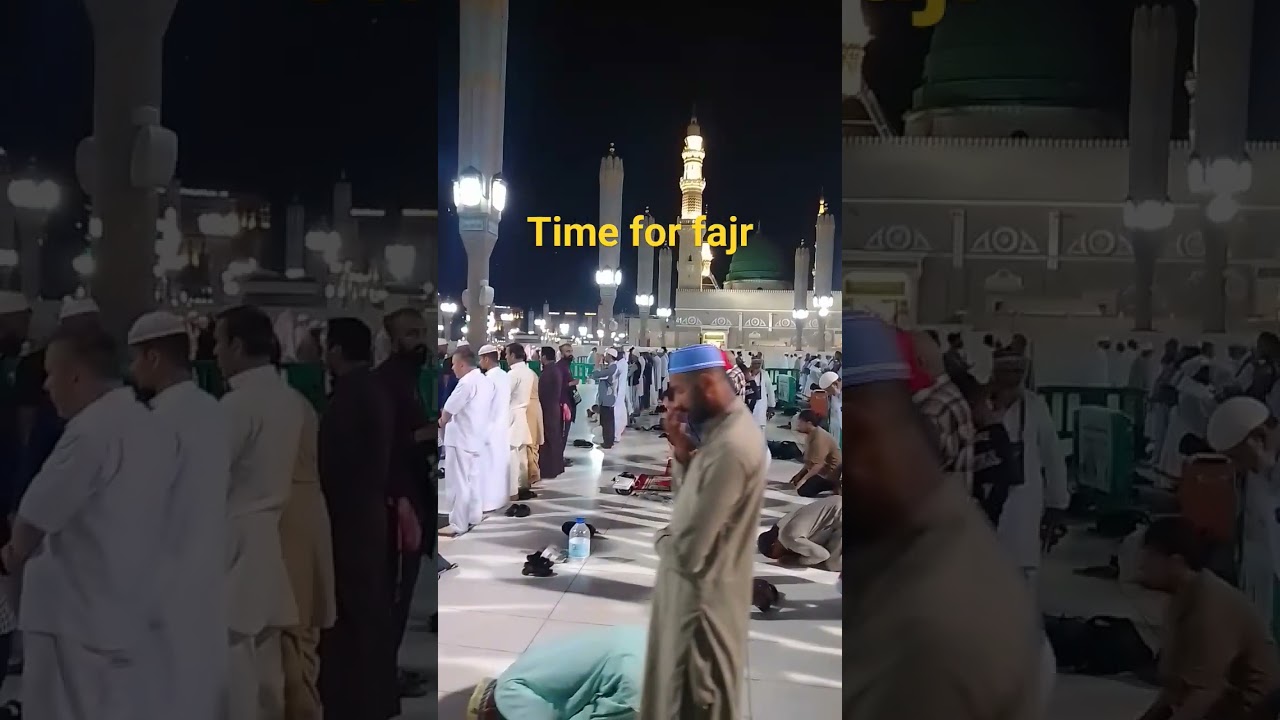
692 183
609 266
854 37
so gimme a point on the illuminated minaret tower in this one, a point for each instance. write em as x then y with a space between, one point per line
689 273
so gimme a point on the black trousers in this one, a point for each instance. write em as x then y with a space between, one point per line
815 486
606 425
405 568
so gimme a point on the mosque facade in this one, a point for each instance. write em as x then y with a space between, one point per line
754 304
1003 189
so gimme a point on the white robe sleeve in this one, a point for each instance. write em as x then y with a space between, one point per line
68 479
1057 491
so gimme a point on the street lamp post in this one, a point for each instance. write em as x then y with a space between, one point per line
129 154
447 309
800 307
33 200
823 260
479 192
664 295
644 281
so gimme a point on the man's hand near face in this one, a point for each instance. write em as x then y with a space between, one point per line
682 446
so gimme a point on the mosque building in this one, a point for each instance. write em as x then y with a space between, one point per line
756 305
1003 188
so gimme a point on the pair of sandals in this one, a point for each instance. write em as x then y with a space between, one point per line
540 564
518 510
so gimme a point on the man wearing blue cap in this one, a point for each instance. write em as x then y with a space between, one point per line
941 626
698 628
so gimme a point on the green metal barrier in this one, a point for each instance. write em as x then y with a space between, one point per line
1065 400
786 392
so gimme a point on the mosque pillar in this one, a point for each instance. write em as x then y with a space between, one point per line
609 265
478 191
1220 170
824 245
129 154
956 295
1148 212
800 305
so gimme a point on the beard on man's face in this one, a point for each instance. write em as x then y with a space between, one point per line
416 354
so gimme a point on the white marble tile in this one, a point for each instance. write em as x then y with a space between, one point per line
488 631
776 700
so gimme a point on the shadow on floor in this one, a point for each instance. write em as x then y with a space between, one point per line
454 705
828 609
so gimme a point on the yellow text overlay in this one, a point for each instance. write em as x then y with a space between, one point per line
550 232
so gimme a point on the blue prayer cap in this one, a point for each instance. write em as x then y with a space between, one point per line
871 352
695 358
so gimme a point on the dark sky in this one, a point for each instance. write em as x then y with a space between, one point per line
270 97
584 74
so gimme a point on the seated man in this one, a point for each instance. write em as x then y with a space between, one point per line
595 674
821 471
1218 659
812 535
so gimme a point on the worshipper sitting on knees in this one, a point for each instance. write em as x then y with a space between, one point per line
944 628
811 535
1218 660
593 674
821 470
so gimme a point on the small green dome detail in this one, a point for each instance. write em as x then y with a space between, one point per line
757 260
1028 53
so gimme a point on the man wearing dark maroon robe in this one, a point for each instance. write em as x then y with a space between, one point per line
551 396
357 655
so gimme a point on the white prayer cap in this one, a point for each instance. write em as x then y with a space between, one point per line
72 307
462 344
156 325
442 342
487 349
12 302
1146 347
827 378
1232 422
611 352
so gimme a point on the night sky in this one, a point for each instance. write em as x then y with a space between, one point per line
584 74
269 97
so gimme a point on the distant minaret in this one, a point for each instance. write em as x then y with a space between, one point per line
854 36
692 183
609 263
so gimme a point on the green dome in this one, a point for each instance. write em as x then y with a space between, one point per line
757 260
1047 53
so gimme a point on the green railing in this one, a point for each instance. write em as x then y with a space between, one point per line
1065 400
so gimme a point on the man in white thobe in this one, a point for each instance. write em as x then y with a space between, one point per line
524 381
191 675
1042 492
660 371
465 422
760 413
622 389
495 490
89 541
265 418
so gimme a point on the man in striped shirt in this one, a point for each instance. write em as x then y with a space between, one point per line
949 413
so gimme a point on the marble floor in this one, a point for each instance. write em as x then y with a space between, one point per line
490 613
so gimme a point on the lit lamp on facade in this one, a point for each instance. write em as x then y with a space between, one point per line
609 278
1223 180
564 329
42 196
84 264
400 261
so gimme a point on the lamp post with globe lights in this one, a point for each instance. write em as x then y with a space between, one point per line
823 268
644 280
129 155
665 297
34 200
480 193
800 306
447 309
1220 170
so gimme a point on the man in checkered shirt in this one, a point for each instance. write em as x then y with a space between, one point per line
945 406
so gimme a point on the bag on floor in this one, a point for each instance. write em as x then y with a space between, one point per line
1100 645
785 450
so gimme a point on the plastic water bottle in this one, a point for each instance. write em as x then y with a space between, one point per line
579 540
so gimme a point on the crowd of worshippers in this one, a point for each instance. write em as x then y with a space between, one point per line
504 431
172 555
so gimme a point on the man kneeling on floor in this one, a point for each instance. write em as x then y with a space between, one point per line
822 461
1218 661
812 535
595 674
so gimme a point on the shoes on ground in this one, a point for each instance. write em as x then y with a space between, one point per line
518 510
537 565
569 526
413 683
526 494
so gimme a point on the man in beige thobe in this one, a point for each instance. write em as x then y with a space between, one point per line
698 628
308 556
524 385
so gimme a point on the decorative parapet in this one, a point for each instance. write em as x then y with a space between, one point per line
1253 148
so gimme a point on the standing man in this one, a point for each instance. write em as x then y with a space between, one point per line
762 407
495 490
266 418
948 411
409 469
621 389
660 371
356 456
928 641
606 399
1040 492
554 415
524 387
464 422
568 393
307 542
191 672
697 650
89 540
